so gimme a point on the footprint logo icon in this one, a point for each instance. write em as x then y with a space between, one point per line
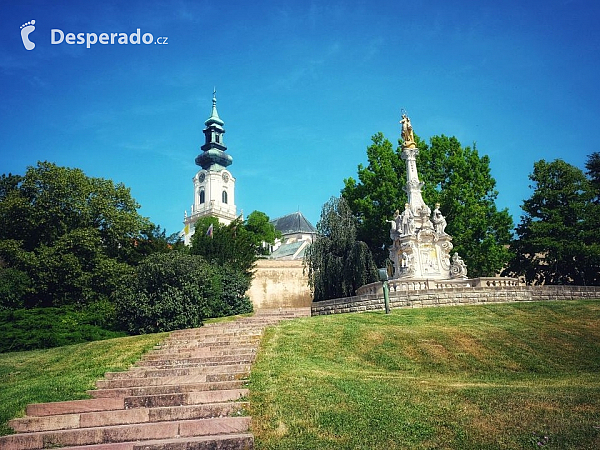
26 30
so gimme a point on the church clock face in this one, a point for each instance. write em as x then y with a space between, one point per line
225 177
201 177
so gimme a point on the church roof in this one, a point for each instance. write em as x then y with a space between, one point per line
287 251
293 223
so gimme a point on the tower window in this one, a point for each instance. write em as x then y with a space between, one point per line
224 197
202 196
217 138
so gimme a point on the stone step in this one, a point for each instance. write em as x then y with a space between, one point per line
197 360
184 398
212 341
222 331
201 351
171 380
155 372
166 389
125 433
216 442
216 346
75 406
128 416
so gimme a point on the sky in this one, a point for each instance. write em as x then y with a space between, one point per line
301 86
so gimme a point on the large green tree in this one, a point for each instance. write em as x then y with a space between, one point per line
74 236
557 237
337 263
457 177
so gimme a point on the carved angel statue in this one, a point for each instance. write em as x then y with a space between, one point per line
408 135
439 221
394 232
406 221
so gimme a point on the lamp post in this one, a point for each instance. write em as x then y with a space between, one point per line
383 277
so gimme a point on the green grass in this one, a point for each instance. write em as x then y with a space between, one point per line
484 377
63 373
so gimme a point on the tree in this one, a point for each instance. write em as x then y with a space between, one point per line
593 172
338 264
261 231
454 176
73 235
231 244
557 236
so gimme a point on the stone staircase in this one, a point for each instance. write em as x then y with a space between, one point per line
186 394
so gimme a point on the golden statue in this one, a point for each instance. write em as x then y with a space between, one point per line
408 135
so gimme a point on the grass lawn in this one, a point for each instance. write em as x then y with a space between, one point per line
506 376
63 373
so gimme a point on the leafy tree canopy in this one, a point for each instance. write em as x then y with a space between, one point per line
72 235
454 176
261 231
238 244
338 264
231 245
557 236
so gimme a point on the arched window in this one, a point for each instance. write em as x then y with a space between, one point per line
224 197
202 196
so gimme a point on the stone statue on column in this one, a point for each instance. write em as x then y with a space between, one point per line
439 221
408 135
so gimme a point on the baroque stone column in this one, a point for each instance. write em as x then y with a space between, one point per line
420 246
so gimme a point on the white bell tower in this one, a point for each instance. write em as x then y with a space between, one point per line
214 186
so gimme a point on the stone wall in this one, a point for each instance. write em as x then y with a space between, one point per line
279 284
454 296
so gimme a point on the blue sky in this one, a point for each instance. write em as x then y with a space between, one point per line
302 86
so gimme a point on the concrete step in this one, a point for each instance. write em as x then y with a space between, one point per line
125 433
127 416
217 442
171 380
166 389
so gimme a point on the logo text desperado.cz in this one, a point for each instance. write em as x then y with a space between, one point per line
58 36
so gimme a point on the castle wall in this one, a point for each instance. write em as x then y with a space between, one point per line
279 284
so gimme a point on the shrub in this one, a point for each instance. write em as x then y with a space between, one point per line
29 329
169 291
14 285
232 286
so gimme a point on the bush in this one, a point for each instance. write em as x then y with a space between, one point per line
169 291
14 285
232 286
29 329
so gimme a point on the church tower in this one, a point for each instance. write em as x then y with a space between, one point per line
214 186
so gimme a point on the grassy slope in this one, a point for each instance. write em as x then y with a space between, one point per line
62 373
496 376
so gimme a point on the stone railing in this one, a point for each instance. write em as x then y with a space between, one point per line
405 285
485 292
